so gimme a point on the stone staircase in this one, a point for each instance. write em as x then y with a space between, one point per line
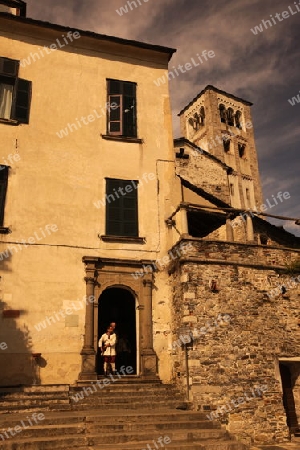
122 415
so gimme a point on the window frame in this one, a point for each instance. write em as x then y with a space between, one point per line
122 133
21 94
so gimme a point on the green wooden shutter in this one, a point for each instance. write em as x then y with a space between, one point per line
121 209
129 109
21 100
3 189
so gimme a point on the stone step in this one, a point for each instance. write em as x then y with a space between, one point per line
178 440
33 401
115 435
151 425
46 443
117 429
179 445
113 425
114 388
110 416
33 396
144 417
41 408
49 430
115 391
81 406
91 392
37 388
174 435
106 401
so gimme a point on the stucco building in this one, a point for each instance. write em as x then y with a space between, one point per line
105 218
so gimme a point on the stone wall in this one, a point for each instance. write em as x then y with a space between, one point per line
206 173
240 331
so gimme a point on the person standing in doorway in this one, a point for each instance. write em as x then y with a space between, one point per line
107 344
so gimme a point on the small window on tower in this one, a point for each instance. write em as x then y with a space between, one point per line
231 189
196 122
222 110
242 150
202 115
238 116
230 115
226 145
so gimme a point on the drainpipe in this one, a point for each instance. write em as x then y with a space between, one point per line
187 372
187 346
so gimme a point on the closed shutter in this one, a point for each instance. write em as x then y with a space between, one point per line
3 188
121 208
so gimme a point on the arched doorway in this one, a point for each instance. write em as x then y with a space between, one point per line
119 305
289 372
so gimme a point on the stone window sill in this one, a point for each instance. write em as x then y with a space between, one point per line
4 230
128 239
121 138
9 122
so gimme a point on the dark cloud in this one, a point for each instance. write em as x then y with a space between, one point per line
262 68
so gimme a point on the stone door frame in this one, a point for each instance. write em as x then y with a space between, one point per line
98 292
102 273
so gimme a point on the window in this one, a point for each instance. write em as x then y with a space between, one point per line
231 189
226 145
222 110
242 150
238 116
247 195
230 117
121 208
15 93
122 119
3 188
202 115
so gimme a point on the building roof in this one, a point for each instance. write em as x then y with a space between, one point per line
182 141
210 87
102 37
15 4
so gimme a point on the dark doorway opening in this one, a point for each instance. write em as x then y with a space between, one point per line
288 378
118 305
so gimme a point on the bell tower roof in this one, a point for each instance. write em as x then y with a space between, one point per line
14 7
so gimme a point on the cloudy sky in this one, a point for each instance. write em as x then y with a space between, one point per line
262 68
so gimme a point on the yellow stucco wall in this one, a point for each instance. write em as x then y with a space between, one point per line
57 180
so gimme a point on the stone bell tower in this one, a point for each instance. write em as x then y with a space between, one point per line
14 7
221 124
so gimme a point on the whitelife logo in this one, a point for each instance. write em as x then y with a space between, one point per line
188 66
128 188
292 101
49 228
35 417
42 52
267 23
124 9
